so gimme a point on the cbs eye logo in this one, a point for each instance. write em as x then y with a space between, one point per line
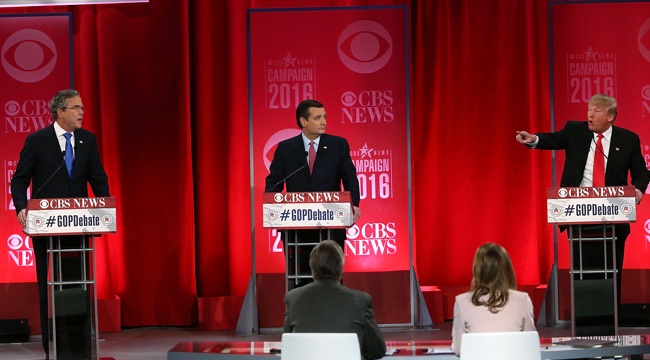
365 46
643 32
28 55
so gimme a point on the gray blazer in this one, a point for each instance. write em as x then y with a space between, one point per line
328 306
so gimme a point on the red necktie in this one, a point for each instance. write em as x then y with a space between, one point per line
312 156
599 163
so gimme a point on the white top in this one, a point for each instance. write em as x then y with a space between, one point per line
516 315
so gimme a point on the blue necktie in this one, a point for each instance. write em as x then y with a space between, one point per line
69 155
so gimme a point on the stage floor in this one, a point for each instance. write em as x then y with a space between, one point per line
155 343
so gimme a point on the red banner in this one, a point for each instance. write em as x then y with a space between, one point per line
35 57
354 61
610 56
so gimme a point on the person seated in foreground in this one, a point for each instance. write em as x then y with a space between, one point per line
326 306
492 304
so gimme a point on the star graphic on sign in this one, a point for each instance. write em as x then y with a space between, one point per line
289 60
590 54
365 151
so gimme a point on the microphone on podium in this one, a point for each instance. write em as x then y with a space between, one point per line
295 171
51 176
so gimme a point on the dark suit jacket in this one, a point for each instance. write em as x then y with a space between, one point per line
41 156
328 306
332 167
624 155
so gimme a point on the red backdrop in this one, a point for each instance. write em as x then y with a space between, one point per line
165 84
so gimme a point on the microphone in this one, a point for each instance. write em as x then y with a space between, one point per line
295 171
51 176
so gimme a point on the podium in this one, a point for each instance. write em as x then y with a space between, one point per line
69 224
295 211
591 215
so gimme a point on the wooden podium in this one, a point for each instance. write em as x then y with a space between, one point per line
70 225
291 211
590 215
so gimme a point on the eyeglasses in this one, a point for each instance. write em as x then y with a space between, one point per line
74 108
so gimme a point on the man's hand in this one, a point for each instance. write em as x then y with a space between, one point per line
525 138
638 195
357 213
22 217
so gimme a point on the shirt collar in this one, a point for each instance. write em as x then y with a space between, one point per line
306 141
607 134
58 130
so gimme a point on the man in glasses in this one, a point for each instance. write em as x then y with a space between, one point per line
59 161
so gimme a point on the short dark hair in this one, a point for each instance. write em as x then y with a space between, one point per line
326 261
302 111
58 101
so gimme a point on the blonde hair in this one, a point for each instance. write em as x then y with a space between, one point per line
605 100
493 276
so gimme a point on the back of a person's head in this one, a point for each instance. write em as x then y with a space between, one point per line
493 277
326 261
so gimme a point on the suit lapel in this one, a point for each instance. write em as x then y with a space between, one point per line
80 152
53 141
615 145
322 153
300 156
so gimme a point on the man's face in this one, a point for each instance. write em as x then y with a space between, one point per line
70 117
315 125
598 119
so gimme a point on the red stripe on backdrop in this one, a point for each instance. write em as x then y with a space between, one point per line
166 88
475 82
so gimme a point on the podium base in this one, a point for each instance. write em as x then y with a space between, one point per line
594 307
74 339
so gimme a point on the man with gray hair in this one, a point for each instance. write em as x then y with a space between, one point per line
327 306
59 161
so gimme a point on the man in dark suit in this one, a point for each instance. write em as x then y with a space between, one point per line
622 155
327 306
313 161
42 164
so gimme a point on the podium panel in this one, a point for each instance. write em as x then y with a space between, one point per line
592 216
306 219
68 226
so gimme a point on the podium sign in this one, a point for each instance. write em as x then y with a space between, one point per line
584 205
68 216
307 210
